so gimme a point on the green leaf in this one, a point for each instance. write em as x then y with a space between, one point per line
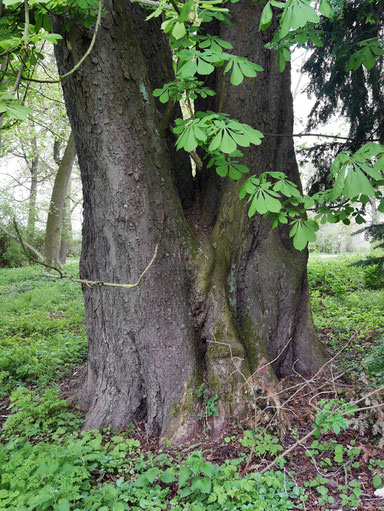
178 30
63 505
204 68
18 112
377 482
234 173
303 231
285 21
299 239
254 136
326 8
236 76
188 69
369 60
216 141
119 506
184 475
185 10
222 170
205 485
272 204
228 145
185 492
266 17
167 477
52 38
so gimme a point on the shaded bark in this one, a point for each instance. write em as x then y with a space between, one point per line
55 214
226 294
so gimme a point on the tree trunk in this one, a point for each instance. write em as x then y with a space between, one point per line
226 294
32 213
55 213
66 232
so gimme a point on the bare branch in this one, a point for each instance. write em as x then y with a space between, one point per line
89 283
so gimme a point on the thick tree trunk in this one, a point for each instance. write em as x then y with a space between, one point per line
225 294
55 214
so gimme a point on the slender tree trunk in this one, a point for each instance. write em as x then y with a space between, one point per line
226 294
66 222
55 214
32 213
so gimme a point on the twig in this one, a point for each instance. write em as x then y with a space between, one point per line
272 361
86 54
98 20
93 283
314 135
89 283
285 453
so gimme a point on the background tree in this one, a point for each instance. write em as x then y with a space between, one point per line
346 82
57 209
32 158
349 84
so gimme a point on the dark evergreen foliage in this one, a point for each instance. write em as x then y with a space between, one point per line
358 96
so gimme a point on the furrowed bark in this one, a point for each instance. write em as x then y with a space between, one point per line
142 349
226 294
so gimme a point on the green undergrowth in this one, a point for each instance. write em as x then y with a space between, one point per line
85 472
41 326
348 312
46 464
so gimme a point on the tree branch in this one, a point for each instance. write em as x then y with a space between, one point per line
313 135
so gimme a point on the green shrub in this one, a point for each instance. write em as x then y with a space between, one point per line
11 253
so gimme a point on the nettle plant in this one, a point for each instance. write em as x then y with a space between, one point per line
26 25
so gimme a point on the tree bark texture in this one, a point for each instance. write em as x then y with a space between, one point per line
226 294
55 214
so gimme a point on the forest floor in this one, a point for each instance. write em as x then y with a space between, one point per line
324 455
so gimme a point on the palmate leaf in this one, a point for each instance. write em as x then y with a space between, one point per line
15 111
303 232
241 67
264 202
296 14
